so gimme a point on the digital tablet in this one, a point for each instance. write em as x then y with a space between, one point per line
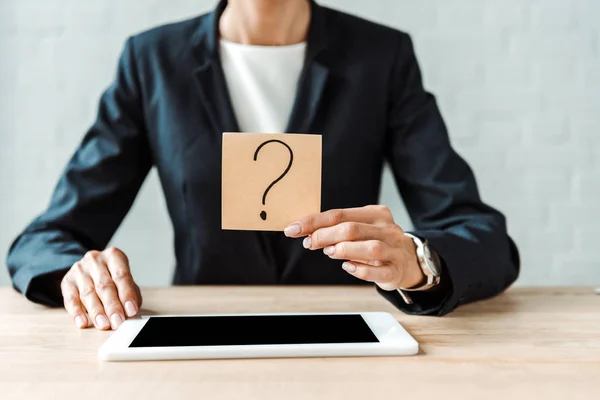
175 337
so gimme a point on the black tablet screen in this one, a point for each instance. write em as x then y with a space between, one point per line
253 330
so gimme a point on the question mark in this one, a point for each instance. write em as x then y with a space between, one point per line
263 214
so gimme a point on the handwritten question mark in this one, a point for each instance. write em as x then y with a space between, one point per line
263 214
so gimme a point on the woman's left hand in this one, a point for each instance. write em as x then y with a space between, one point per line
374 247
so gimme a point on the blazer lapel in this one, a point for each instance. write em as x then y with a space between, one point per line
314 76
209 77
310 90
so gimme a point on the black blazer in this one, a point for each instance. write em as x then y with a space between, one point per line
360 88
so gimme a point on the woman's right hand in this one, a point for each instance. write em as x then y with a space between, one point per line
99 290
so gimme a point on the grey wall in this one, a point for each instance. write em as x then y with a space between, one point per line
517 80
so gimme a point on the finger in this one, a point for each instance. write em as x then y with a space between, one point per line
369 250
384 276
91 301
375 263
118 267
351 232
73 303
139 297
367 215
107 291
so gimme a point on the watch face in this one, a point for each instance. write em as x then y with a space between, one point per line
431 263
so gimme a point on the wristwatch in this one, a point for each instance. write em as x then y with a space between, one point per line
430 264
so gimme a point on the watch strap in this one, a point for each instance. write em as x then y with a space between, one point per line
432 279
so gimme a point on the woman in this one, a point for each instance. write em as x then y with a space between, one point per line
268 66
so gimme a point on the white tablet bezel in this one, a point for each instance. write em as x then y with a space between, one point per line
393 340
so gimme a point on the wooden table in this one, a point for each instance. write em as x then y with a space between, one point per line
527 343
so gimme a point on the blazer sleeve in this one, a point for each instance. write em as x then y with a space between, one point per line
93 194
479 259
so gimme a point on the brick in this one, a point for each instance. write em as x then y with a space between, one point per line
550 45
584 127
508 72
496 186
82 18
500 130
507 14
584 236
487 16
571 101
552 128
454 75
577 269
591 72
500 100
400 14
469 12
585 186
557 75
547 158
552 14
576 214
465 46
549 187
587 12
34 17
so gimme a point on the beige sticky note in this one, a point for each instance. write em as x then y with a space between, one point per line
269 180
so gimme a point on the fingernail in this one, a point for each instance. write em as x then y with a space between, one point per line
102 322
80 322
307 242
292 230
348 267
329 250
130 309
115 321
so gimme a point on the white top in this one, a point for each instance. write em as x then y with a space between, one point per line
262 83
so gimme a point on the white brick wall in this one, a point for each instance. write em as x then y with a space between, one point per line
518 82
